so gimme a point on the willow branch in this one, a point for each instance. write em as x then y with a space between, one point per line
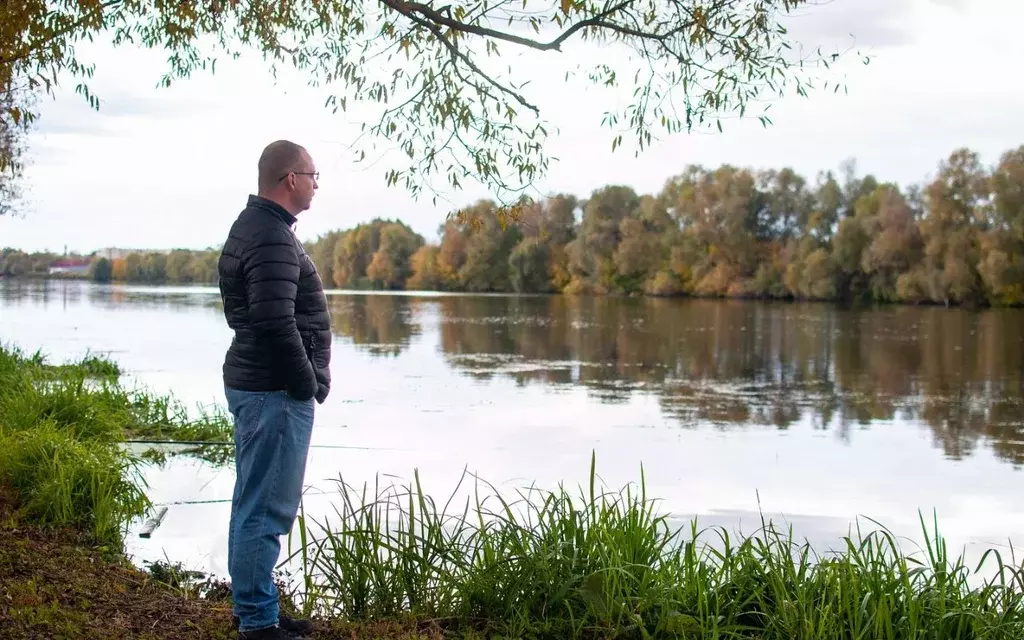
27 50
459 55
409 9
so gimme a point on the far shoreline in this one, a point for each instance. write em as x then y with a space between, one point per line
871 305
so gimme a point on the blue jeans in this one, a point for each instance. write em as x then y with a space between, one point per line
272 433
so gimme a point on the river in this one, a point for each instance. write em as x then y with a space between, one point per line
808 413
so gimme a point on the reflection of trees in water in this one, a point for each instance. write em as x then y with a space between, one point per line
180 298
729 363
737 363
734 363
380 324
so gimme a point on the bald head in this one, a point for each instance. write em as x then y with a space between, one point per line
287 175
277 160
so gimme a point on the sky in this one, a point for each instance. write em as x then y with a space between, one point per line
171 167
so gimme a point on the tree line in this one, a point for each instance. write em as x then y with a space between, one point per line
724 232
180 266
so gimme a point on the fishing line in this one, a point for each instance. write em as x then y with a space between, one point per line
310 492
200 443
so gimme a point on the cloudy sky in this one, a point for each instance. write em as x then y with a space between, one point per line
162 168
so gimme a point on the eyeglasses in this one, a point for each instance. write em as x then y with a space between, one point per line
315 174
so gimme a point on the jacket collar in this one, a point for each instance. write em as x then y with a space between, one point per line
269 205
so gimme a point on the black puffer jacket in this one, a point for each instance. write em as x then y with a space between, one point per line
274 300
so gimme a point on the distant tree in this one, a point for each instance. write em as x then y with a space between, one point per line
15 263
528 267
1002 245
592 252
372 255
951 228
390 266
482 251
101 270
322 253
426 275
176 266
119 269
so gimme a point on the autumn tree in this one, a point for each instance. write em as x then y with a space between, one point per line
811 268
644 248
429 72
954 216
352 254
119 269
720 214
426 273
540 262
321 252
591 253
894 241
1002 245
788 205
475 256
390 266
15 263
176 266
372 255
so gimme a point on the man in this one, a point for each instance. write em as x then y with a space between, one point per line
277 365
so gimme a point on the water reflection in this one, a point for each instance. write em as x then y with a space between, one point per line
728 364
383 325
734 363
33 292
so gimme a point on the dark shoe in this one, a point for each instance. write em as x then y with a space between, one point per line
296 627
269 633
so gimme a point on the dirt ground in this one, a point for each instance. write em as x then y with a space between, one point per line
54 584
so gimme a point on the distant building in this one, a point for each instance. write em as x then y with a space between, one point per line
70 266
114 253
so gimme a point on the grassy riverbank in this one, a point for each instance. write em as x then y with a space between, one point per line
393 563
61 434
605 564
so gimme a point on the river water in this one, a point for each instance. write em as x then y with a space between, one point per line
807 413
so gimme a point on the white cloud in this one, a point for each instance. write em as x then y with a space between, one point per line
172 167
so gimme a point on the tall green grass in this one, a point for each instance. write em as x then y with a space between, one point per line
551 564
61 480
61 433
87 397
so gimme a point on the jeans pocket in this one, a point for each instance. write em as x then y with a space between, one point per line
247 408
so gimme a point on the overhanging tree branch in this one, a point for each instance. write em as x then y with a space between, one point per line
459 55
409 9
721 56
